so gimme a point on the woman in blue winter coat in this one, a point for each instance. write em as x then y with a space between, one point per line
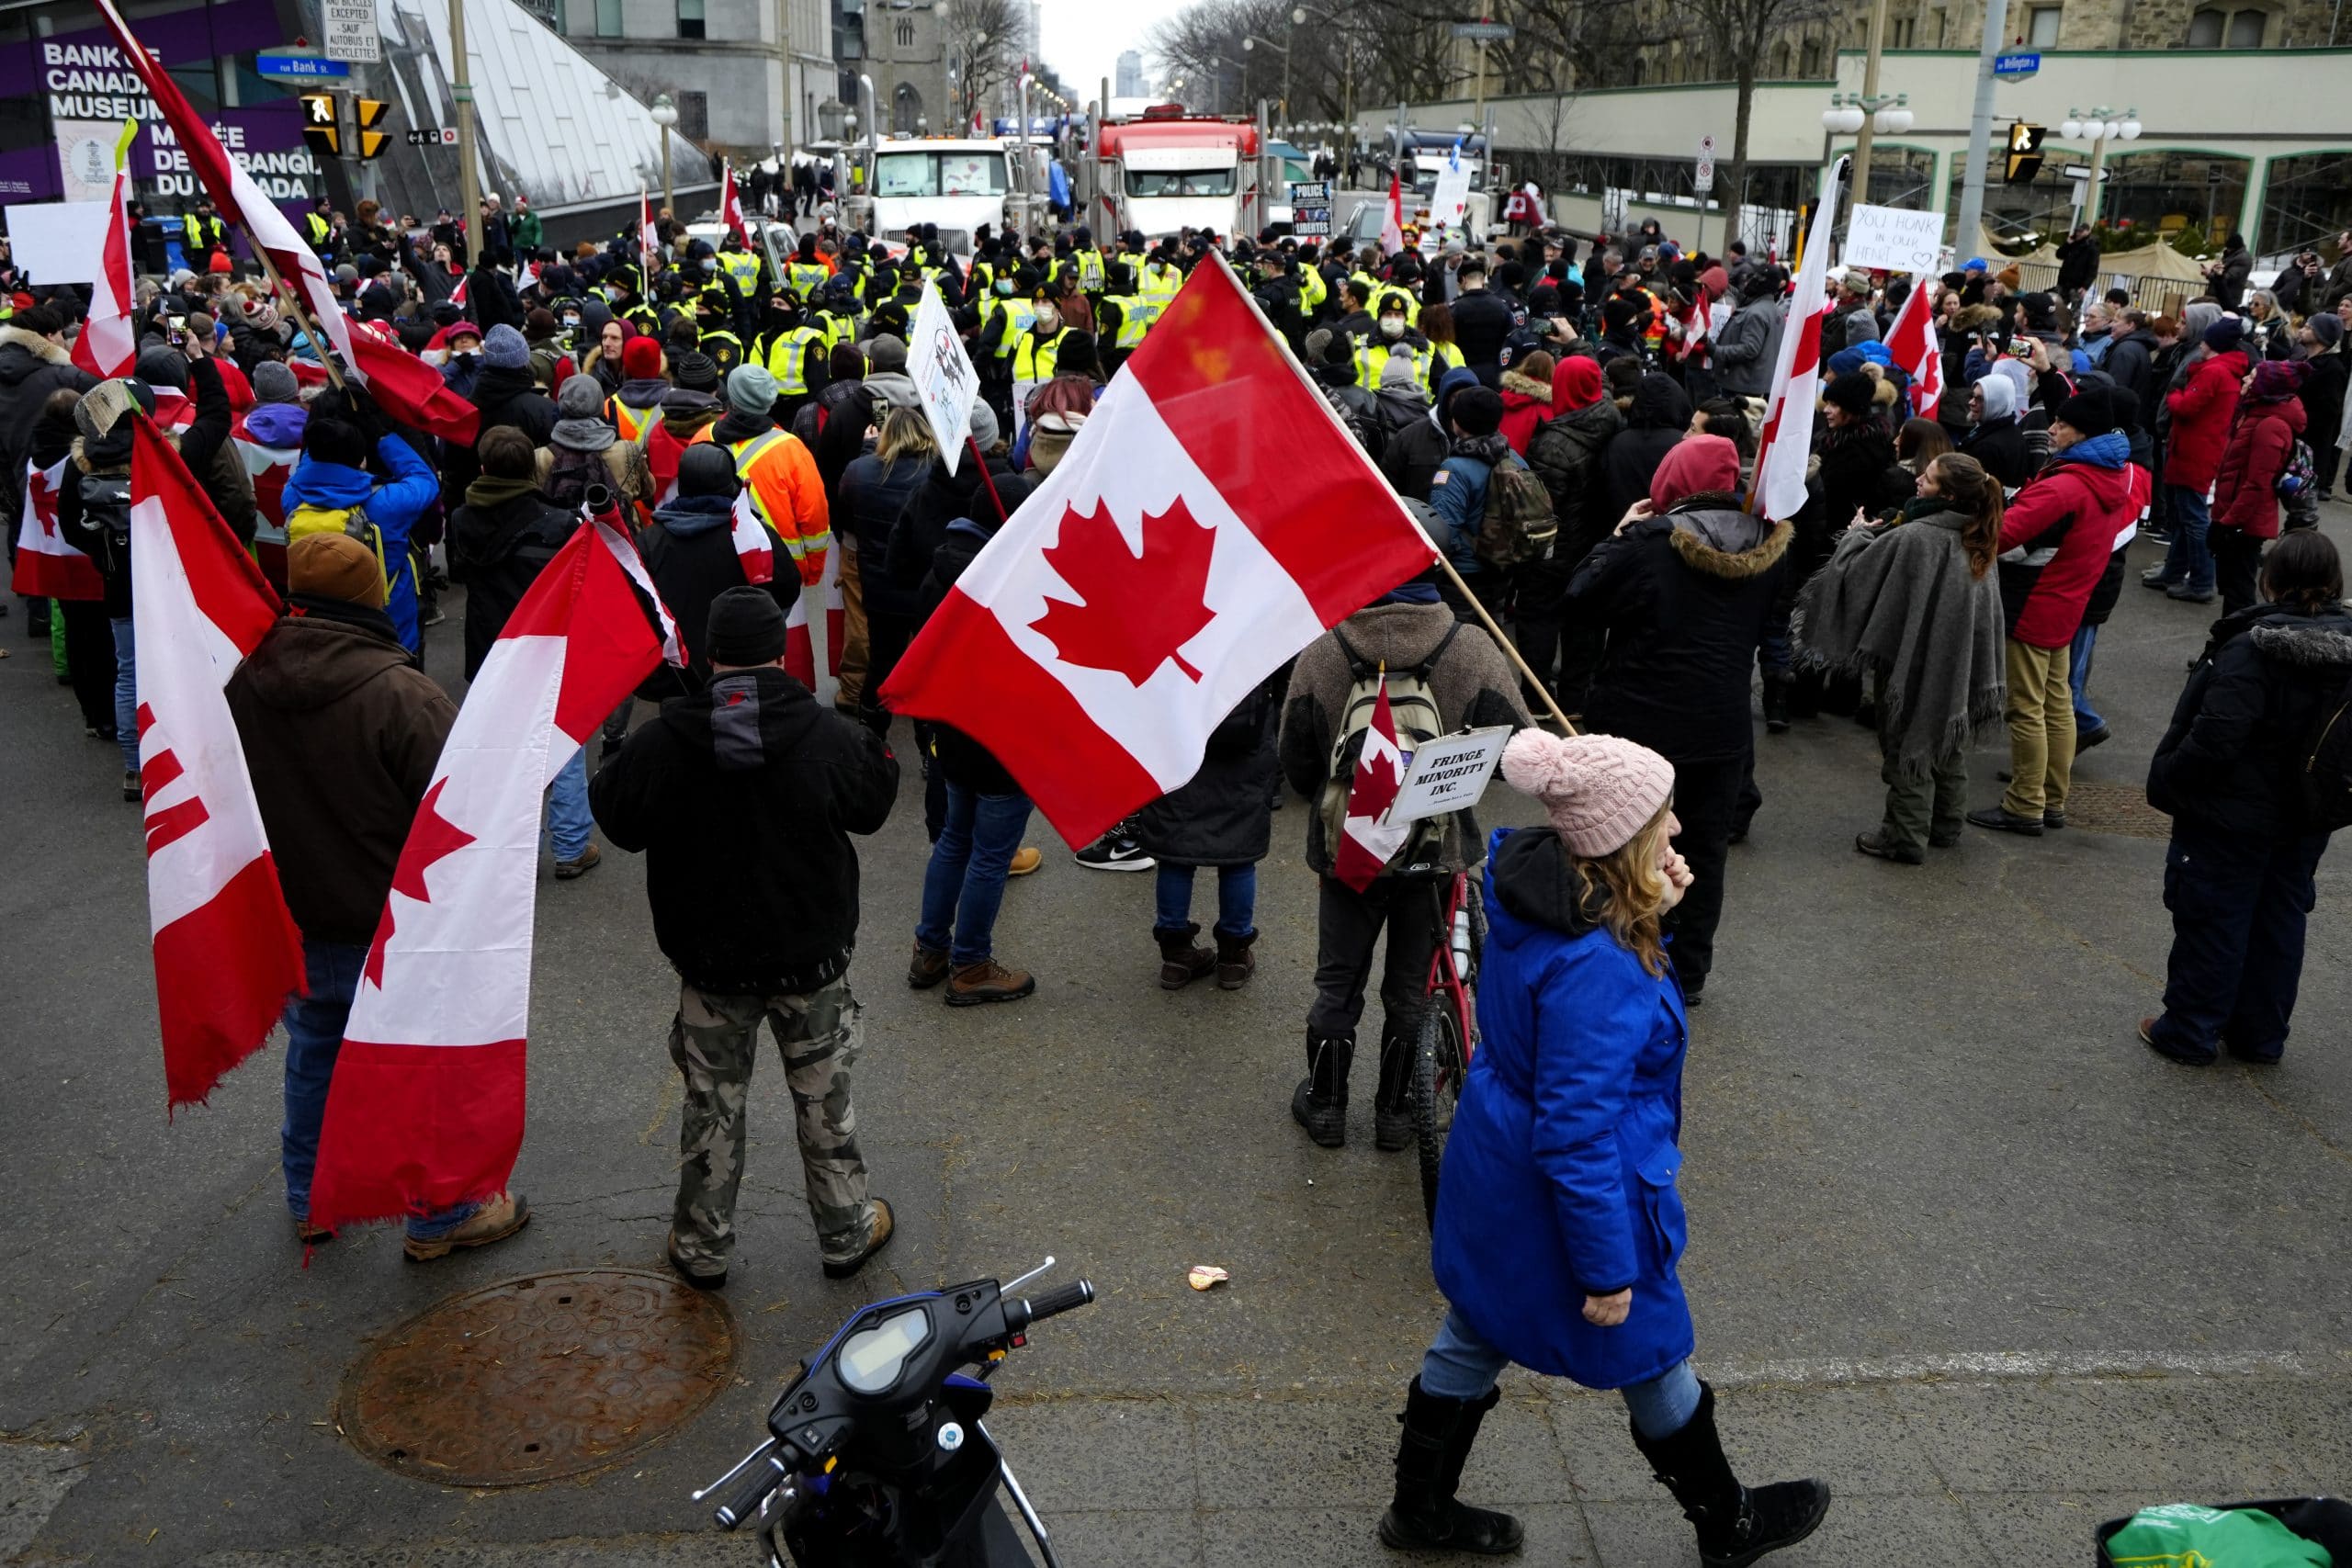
1558 1225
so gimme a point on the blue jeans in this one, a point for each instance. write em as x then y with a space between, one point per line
314 1025
1462 1365
1236 899
570 826
965 883
126 694
2190 558
2078 675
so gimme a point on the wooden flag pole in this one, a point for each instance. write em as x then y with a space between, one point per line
278 288
1510 650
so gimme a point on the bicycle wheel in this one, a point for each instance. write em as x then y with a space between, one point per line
1436 1086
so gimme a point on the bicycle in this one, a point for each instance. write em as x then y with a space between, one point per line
1449 1032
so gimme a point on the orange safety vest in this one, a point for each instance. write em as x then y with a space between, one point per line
629 422
786 492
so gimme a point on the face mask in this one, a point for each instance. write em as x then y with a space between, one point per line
1392 327
571 323
709 266
1004 286
1049 319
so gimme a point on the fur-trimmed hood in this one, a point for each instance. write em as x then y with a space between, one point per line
1976 317
1716 537
1529 387
2313 644
40 348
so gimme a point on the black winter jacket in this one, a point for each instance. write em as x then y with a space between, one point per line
2130 365
1683 598
873 494
1655 424
1223 814
1482 318
1565 453
503 396
2000 447
498 552
743 797
965 760
691 555
30 368
2230 758
923 527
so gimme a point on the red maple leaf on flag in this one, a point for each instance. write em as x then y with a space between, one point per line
433 838
1135 611
44 499
1377 783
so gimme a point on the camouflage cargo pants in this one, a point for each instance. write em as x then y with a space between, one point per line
714 1040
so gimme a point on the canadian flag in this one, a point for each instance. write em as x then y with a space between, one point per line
1392 221
384 370
799 652
48 567
426 1108
1209 520
730 206
464 284
108 345
755 546
227 953
1787 440
649 238
1367 838
1911 344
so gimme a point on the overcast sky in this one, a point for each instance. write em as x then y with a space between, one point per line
1084 39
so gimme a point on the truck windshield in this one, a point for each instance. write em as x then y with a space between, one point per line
939 174
1180 182
1425 180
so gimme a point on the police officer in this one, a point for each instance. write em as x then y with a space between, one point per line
716 325
1392 337
797 355
805 272
745 267
318 229
1160 280
1121 320
1038 352
1006 317
201 233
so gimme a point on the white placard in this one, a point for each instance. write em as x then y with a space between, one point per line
1451 199
349 32
1449 773
1894 238
60 241
942 375
85 157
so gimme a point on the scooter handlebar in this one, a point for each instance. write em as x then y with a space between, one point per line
743 1504
1061 1298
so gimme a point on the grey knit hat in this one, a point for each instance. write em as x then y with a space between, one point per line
274 383
580 397
505 349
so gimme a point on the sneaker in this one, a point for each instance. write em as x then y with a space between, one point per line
885 1227
2169 1053
704 1279
1025 858
1878 846
565 870
131 785
433 616
928 967
988 981
494 1221
2001 820
1115 850
2188 595
2154 578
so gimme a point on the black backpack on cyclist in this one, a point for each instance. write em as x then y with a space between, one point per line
1412 707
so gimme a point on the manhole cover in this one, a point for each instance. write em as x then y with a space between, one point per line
2115 808
537 1378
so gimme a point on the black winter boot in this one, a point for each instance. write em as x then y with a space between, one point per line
1392 1104
1735 1525
1319 1104
1181 961
1234 962
1776 704
1429 1455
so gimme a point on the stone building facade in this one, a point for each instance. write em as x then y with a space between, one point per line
906 54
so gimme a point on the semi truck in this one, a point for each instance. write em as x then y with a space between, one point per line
1166 170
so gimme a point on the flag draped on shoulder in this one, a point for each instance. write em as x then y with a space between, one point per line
48 567
227 953
1787 440
1911 345
1367 838
109 343
426 1111
1211 519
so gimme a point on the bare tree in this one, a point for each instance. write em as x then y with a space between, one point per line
983 40
1741 31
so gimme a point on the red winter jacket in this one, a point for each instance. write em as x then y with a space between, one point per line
1526 404
2086 505
2261 441
2201 419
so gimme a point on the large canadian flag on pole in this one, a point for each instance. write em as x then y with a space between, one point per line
108 345
1911 345
407 389
426 1106
1392 221
227 953
47 566
1787 440
731 207
1211 519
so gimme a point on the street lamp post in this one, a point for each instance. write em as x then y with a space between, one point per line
666 115
2099 130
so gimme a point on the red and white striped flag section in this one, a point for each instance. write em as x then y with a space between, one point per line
426 1111
1787 440
1911 344
755 546
48 567
1367 838
108 345
465 286
648 237
730 206
1211 519
799 649
227 953
1392 222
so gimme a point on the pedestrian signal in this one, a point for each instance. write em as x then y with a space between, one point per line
371 112
2025 152
320 126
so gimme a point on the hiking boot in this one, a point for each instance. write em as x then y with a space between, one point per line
1025 858
565 870
988 981
2003 821
2188 595
2154 578
1950 840
885 1226
494 1221
704 1279
928 967
309 1235
1424 1515
1776 705
1182 960
1392 1101
130 784
2087 738
1876 844
1235 961
2054 821
1319 1104
1735 1525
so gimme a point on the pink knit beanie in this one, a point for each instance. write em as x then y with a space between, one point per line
1598 790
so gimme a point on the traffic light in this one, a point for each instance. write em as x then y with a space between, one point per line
371 114
320 128
2025 152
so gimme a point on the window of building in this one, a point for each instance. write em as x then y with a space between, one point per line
608 19
1936 31
905 31
693 116
1904 30
2205 29
1780 61
690 18
1809 60
2246 29
2042 26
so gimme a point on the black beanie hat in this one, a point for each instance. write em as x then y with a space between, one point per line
708 468
2090 410
746 628
1852 392
1477 410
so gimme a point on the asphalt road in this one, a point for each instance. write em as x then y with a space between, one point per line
1959 1244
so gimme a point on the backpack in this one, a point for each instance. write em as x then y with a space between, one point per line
570 474
2299 475
1518 524
106 503
2325 778
1412 707
307 519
